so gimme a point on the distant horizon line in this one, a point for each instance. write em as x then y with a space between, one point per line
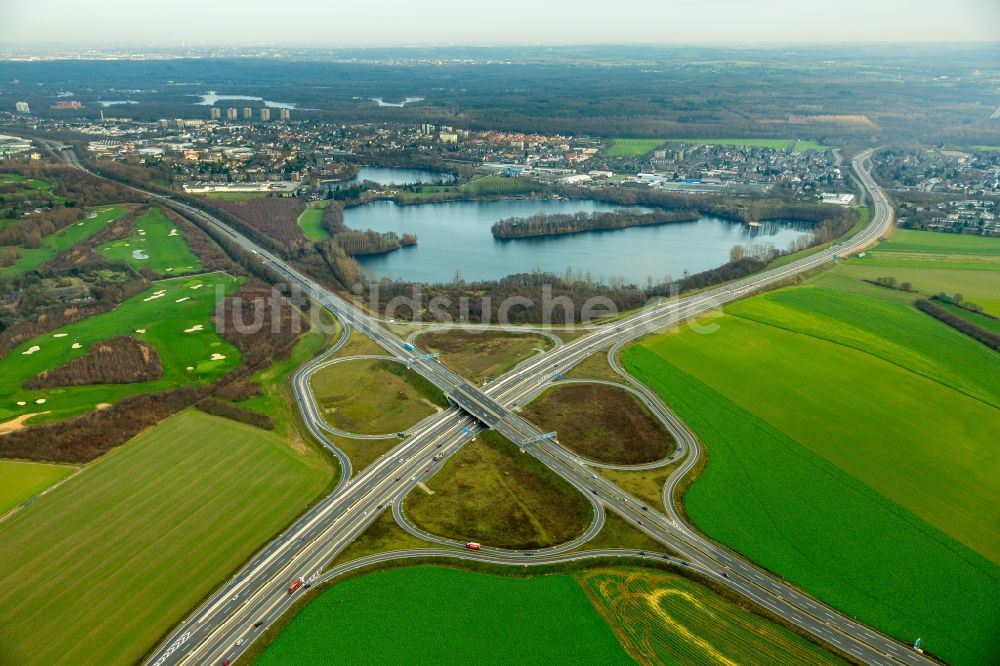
172 46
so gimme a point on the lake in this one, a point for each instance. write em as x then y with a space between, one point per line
210 98
456 236
387 176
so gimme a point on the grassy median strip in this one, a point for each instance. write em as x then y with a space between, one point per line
602 423
477 355
489 492
374 396
99 568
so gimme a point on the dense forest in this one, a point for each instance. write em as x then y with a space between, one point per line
275 217
820 92
571 223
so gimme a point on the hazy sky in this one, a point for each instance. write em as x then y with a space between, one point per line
381 22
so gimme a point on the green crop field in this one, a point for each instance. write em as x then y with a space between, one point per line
62 240
829 459
633 147
435 615
374 396
21 480
979 286
311 221
663 618
492 493
819 347
97 570
988 323
177 323
909 240
155 243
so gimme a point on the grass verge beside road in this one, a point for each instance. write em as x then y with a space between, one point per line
491 493
98 569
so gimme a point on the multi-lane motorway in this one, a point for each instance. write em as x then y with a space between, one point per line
226 624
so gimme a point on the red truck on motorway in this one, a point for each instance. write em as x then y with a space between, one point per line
472 545
294 586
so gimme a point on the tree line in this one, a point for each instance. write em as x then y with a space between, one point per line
974 331
543 224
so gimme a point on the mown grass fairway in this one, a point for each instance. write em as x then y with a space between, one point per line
374 396
477 355
62 240
664 618
21 480
601 423
311 221
154 243
434 615
798 514
489 492
170 323
98 569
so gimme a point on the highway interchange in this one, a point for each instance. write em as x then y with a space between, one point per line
225 625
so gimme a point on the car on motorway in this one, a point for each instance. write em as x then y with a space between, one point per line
642 523
427 470
472 545
240 641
